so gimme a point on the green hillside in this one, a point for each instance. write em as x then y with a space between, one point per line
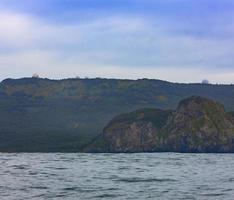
64 115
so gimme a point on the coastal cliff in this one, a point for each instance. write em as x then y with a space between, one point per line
197 125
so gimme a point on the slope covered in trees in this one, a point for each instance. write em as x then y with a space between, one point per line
64 115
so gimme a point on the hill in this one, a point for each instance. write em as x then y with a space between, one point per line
197 125
64 115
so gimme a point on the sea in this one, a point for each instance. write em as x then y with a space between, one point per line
80 176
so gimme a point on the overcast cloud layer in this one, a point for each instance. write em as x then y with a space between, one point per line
175 40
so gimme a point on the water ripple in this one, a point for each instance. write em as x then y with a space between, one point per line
116 176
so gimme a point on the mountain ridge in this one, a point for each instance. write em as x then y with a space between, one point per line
7 80
35 111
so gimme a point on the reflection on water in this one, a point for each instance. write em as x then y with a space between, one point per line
116 176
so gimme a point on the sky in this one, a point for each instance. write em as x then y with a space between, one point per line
173 40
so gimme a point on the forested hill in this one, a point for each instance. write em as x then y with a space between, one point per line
63 115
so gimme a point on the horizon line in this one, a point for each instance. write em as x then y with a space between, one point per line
121 79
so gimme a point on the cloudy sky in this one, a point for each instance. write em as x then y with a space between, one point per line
175 40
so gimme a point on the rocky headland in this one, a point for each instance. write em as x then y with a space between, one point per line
198 125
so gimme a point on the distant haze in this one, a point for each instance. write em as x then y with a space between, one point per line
174 40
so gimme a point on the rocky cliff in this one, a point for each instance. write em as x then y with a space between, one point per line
197 125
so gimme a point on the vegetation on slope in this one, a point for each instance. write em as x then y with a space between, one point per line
63 115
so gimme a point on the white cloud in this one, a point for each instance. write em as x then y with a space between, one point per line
114 47
48 64
14 29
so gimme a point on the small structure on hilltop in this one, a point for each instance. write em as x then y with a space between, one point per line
205 81
35 76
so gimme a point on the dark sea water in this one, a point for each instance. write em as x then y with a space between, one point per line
116 176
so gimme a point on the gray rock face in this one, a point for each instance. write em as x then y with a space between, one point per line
197 125
132 132
200 125
138 136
